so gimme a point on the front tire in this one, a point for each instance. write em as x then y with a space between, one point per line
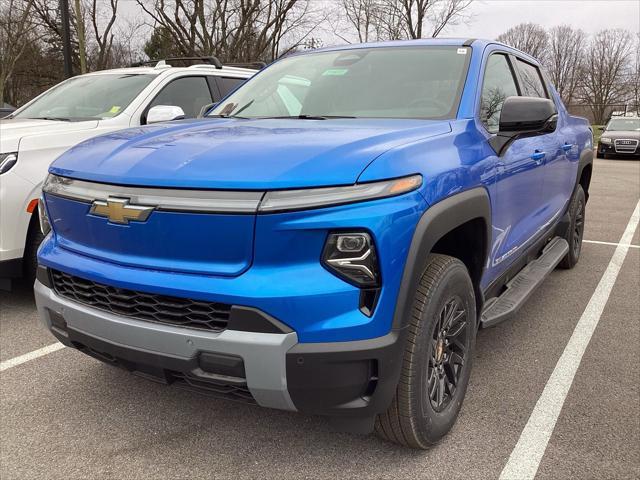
437 357
575 230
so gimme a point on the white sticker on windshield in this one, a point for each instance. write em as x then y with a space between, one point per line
462 51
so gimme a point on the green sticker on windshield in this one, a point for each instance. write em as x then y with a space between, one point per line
335 72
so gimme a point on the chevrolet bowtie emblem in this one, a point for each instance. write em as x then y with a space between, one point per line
119 210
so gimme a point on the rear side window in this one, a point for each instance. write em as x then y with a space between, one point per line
498 84
188 93
227 84
532 84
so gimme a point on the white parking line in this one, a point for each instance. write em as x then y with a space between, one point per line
15 361
614 244
527 454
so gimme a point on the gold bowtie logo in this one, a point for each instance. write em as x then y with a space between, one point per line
119 210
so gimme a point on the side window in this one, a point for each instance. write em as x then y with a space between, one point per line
497 86
532 85
226 84
188 93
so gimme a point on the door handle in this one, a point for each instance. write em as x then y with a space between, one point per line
567 146
538 156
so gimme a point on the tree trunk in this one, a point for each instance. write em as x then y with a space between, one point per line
82 49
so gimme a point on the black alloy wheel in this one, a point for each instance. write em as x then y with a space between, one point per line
575 230
448 353
578 228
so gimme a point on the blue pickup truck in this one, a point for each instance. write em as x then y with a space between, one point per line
329 238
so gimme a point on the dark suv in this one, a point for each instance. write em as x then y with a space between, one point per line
621 136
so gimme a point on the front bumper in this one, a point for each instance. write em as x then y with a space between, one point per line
349 379
613 149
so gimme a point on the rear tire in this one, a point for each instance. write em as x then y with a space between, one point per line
30 258
437 357
575 230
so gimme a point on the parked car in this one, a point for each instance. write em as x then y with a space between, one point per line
331 238
81 108
6 109
620 137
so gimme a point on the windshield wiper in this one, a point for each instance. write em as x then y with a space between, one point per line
218 115
67 119
59 119
310 117
235 115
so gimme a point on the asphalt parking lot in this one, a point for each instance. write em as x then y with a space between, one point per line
65 415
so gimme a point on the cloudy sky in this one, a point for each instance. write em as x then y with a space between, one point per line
492 17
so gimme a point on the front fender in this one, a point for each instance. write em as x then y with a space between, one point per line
437 221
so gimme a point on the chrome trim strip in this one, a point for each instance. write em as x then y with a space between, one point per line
230 201
303 199
208 201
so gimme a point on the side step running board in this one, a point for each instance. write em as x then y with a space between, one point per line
520 288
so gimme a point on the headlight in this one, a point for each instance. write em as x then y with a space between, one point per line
284 200
45 226
605 140
352 256
7 160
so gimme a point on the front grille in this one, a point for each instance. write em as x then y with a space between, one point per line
182 312
624 145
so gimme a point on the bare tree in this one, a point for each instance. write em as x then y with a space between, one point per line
363 16
605 70
102 16
82 44
635 77
16 31
433 16
528 37
565 62
402 19
239 30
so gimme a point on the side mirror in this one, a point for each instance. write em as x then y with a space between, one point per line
206 109
524 116
601 128
164 113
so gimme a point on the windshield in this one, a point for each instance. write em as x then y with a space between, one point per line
87 97
623 124
383 82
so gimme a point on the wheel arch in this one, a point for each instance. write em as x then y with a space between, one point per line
585 170
447 227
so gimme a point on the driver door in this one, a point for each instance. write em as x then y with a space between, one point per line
517 203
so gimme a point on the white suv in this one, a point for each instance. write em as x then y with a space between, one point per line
80 108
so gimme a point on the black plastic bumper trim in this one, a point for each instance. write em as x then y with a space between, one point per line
209 373
355 379
249 319
44 276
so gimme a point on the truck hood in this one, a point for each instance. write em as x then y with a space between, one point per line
12 130
241 153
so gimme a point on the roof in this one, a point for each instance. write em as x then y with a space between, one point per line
403 43
475 43
163 68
